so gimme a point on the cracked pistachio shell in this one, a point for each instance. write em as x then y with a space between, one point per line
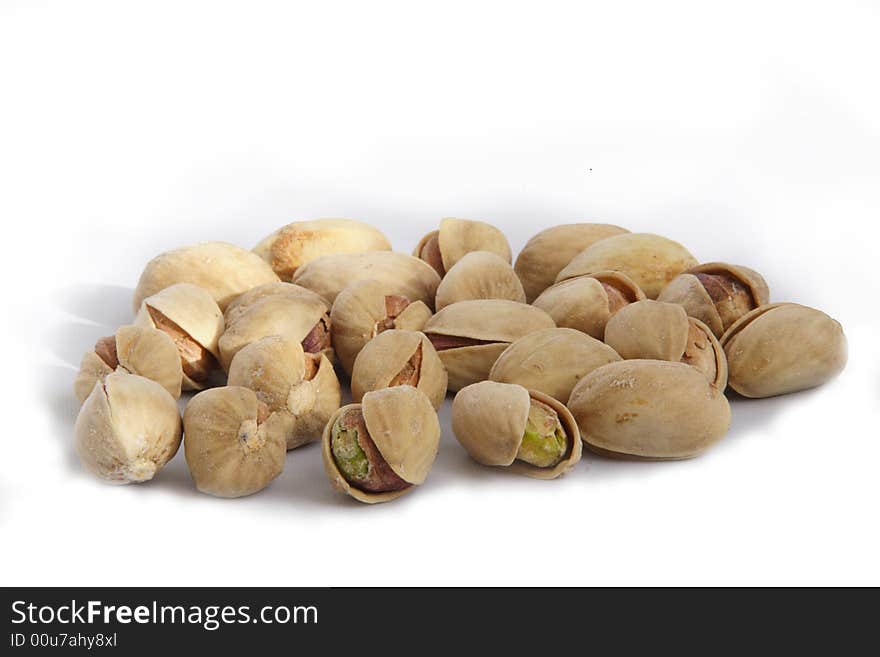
649 260
783 347
479 275
688 291
404 427
494 323
551 361
295 244
128 428
361 312
586 303
233 445
545 254
489 420
457 237
649 409
223 269
243 302
275 368
408 276
662 331
389 355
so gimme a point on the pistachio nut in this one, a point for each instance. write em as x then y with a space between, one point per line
649 409
233 444
781 348
649 260
295 244
380 449
662 331
242 303
192 319
147 352
470 335
408 276
586 303
128 428
545 254
444 247
366 308
551 361
717 293
526 431
397 358
479 275
301 388
223 269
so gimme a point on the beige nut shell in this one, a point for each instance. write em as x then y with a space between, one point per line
479 275
546 253
458 237
403 424
128 428
489 420
243 302
551 361
649 260
297 243
223 269
783 347
384 357
649 409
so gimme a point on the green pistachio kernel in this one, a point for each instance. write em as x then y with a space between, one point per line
349 456
544 442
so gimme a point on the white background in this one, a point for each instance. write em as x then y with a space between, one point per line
750 133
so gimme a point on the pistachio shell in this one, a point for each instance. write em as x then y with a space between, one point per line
489 420
406 275
479 275
649 409
384 357
295 244
243 302
458 237
649 260
233 447
545 254
223 269
551 361
783 347
128 428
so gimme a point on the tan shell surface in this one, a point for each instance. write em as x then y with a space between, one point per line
93 369
192 308
545 254
498 320
649 409
479 275
687 291
243 302
297 243
649 260
649 330
782 348
551 361
459 237
128 428
467 365
752 280
223 269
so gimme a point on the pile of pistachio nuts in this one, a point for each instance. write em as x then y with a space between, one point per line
598 337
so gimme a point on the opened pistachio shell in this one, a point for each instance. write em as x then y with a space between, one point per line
662 331
650 409
232 444
479 275
455 238
649 260
223 269
489 419
293 245
544 256
717 293
396 358
403 426
783 347
551 361
586 303
301 388
243 302
406 275
128 428
470 335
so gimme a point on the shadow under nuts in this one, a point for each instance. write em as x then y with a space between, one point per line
523 430
479 275
455 238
